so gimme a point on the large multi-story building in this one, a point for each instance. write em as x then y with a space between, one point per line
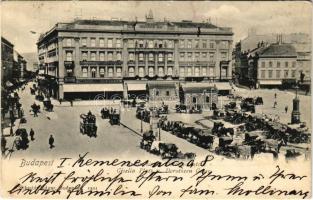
253 43
7 61
97 56
277 65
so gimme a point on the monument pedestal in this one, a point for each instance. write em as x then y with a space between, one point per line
295 114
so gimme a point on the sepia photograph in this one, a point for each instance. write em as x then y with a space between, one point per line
156 99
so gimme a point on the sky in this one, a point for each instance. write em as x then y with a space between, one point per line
19 18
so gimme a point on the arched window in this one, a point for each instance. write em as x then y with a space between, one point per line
150 44
101 72
118 71
197 71
194 99
110 72
131 72
141 72
151 71
189 71
161 71
170 71
151 57
85 72
160 57
93 72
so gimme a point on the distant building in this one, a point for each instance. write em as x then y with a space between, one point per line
199 95
7 61
88 57
19 67
277 65
248 69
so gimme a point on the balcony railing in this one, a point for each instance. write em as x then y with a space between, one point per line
70 79
69 64
117 62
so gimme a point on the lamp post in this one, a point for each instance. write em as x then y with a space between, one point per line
141 121
159 130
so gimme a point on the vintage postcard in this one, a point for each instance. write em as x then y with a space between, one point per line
156 100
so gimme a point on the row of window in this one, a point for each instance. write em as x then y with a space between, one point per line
93 56
183 71
151 57
278 73
100 72
278 64
189 56
132 43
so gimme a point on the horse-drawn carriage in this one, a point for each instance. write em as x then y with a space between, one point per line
181 108
225 148
88 124
201 137
219 130
105 113
35 108
248 105
147 139
48 105
258 101
114 118
143 114
166 150
218 114
32 91
21 141
230 106
197 109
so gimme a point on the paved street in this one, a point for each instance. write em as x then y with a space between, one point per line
63 124
283 99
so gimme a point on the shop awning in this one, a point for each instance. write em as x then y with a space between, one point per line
161 85
270 82
136 86
223 86
198 87
92 87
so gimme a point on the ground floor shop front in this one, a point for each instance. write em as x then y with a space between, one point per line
157 90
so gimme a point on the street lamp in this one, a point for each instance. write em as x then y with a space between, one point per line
295 114
159 130
141 121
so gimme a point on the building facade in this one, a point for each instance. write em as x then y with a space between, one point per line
245 48
92 55
277 65
7 61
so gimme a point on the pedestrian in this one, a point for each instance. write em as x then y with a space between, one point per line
275 95
51 141
60 100
32 133
275 104
71 102
286 109
3 145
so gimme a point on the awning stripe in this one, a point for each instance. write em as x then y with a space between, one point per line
136 86
270 82
92 88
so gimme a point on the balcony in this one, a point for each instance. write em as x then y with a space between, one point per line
99 80
117 62
131 62
69 64
70 79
